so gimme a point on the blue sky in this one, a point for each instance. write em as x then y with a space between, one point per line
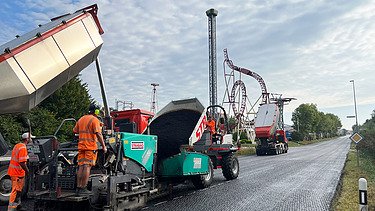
309 50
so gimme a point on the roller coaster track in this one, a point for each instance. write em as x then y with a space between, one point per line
238 84
265 94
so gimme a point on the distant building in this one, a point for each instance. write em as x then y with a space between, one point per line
289 128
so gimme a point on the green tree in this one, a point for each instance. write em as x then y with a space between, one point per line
70 101
334 124
10 128
297 136
305 118
43 122
308 120
322 124
367 130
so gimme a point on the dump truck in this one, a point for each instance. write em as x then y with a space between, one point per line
270 134
132 121
175 149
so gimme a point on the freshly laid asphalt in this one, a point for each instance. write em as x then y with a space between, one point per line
305 178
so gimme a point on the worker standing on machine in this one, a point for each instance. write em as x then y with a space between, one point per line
89 129
17 170
211 124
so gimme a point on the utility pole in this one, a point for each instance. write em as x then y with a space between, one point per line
212 65
355 107
356 120
154 98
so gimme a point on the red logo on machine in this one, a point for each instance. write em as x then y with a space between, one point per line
137 145
202 125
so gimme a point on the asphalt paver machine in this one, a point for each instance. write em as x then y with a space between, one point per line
136 166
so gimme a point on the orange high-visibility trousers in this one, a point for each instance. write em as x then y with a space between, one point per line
87 157
17 186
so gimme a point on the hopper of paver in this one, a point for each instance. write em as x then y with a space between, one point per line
174 124
36 64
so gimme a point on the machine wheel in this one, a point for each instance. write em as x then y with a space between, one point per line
230 166
5 185
258 152
204 181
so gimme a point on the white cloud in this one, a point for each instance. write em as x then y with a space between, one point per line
304 49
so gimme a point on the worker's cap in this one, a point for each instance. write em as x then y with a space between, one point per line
93 108
27 135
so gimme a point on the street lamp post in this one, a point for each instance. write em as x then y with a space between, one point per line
355 108
356 120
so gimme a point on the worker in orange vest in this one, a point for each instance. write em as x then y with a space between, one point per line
17 171
89 129
211 124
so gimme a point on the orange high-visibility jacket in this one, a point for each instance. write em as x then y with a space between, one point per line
87 127
19 155
211 124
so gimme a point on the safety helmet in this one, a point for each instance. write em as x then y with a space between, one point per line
94 109
27 135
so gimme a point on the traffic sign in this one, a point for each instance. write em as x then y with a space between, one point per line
356 137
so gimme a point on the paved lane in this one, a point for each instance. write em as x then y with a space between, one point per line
303 179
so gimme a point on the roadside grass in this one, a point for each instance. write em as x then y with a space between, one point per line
246 149
347 196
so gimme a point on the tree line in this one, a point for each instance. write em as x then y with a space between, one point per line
70 101
310 123
367 131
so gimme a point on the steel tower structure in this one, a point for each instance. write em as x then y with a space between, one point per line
125 104
212 66
154 98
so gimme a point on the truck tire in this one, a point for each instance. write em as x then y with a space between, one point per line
5 185
277 151
203 181
230 167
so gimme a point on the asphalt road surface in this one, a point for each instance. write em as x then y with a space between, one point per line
303 179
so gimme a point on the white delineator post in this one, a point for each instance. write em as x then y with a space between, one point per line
362 184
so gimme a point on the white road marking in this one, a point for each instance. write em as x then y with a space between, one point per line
157 204
177 197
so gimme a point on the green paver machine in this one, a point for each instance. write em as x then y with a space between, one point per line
181 127
135 167
176 148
